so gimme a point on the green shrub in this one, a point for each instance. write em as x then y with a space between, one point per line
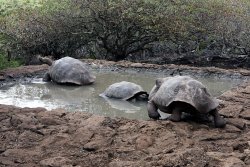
5 63
10 6
114 29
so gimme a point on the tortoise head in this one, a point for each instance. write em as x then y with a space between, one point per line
45 60
159 81
139 96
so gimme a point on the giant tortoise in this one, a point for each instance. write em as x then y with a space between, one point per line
125 91
178 94
68 70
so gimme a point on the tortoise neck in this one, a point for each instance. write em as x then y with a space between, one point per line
46 60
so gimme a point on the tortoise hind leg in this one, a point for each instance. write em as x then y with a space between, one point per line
219 122
152 110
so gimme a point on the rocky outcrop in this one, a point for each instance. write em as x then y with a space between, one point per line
22 71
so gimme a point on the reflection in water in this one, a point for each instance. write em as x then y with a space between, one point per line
122 105
86 98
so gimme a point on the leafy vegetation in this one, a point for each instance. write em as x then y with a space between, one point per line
116 29
5 63
8 41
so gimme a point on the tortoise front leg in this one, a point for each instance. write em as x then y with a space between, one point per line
152 110
219 122
46 77
176 114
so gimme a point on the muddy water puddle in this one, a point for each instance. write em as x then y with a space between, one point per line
86 98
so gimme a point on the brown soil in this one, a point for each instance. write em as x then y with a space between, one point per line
36 137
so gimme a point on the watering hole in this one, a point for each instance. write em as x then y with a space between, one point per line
86 98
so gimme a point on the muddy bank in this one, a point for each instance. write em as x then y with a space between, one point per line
167 69
36 137
21 74
205 59
170 69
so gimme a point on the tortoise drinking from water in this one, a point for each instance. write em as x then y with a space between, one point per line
178 94
126 91
68 70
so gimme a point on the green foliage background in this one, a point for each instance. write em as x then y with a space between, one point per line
115 29
4 63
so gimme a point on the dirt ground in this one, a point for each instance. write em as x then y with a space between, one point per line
31 137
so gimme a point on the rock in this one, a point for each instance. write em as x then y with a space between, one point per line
83 135
37 109
231 111
93 121
143 142
232 129
245 114
59 112
227 159
247 122
55 162
239 123
50 121
247 158
215 136
2 78
5 161
232 162
117 163
128 126
136 65
91 146
240 145
189 157
223 155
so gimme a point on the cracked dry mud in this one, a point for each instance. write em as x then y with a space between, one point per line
33 137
